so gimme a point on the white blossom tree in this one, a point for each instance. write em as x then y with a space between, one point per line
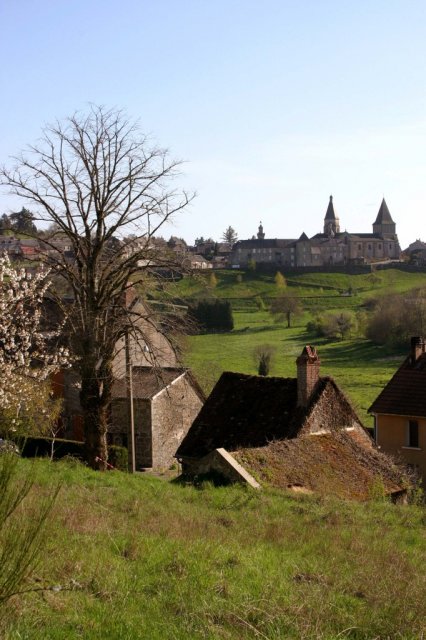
27 353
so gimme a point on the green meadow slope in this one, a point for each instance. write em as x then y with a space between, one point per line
359 367
137 557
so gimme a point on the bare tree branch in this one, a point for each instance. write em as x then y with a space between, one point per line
98 180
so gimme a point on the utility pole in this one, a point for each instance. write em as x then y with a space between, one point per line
129 380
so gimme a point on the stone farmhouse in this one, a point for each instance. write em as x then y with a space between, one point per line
400 410
299 433
166 397
165 404
331 247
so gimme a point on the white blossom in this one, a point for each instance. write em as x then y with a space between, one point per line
24 353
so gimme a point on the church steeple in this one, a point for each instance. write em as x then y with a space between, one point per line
331 221
384 223
260 234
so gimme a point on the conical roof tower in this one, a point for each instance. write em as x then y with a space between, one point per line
384 223
331 221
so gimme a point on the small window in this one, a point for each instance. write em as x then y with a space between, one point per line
413 434
369 247
380 246
360 247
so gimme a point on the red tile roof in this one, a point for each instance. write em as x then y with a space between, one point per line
405 393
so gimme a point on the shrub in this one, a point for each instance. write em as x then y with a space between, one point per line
251 265
259 303
263 356
20 537
118 457
396 317
213 315
280 281
212 280
333 325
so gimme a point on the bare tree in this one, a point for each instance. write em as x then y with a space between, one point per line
96 179
286 306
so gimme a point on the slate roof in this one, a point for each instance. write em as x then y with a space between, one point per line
271 243
148 381
330 215
246 411
405 393
242 410
383 215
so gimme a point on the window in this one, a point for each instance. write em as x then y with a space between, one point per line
369 247
360 247
380 246
413 434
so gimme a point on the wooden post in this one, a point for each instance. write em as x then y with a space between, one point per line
129 380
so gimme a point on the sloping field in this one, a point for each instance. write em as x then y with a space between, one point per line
136 557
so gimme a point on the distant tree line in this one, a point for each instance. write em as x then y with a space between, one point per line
20 221
394 318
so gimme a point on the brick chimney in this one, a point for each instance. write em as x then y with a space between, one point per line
128 296
417 348
308 366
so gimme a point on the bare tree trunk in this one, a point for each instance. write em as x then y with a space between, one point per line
95 429
95 399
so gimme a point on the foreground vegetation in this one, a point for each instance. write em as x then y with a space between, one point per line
139 557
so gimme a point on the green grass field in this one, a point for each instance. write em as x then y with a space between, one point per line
360 368
312 286
137 557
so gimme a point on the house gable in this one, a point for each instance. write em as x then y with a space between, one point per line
330 411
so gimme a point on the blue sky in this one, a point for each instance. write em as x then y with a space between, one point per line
273 105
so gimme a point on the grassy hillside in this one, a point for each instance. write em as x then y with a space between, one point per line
245 285
136 557
360 368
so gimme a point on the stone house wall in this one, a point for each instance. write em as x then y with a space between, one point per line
332 412
161 423
174 409
119 429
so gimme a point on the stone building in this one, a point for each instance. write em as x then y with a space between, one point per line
166 402
331 247
166 397
290 432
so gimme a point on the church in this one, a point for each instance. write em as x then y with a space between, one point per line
332 247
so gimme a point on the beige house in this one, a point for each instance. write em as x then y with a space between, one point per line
400 410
